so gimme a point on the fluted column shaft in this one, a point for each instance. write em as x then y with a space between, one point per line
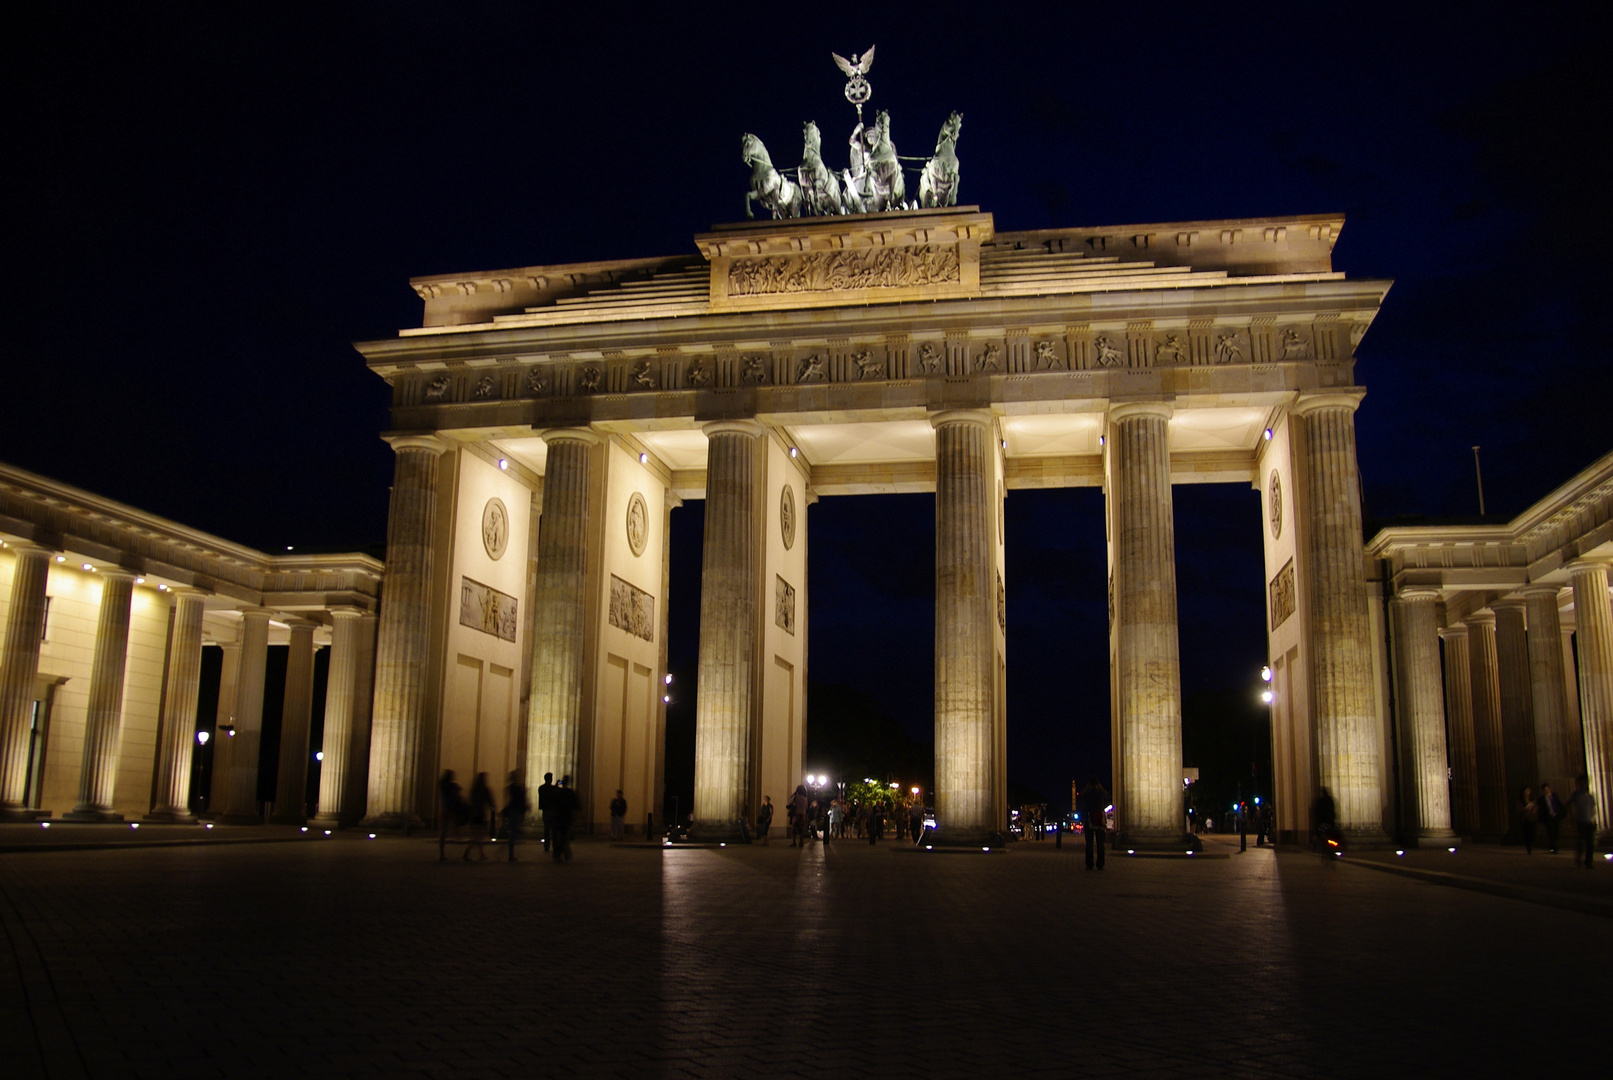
560 608
1593 614
401 653
355 798
241 791
19 667
229 682
103 715
965 601
1459 723
179 709
1489 746
1554 756
291 780
1426 763
1517 704
1348 745
340 691
729 599
1145 620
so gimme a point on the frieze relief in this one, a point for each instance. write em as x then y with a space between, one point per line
1282 595
484 608
632 609
784 605
827 271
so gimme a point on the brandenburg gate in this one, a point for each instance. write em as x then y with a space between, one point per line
548 419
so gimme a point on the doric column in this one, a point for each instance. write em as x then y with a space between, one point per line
291 781
240 806
965 606
179 703
356 796
729 598
1554 757
1517 704
560 607
340 683
1593 614
405 632
1426 770
1576 728
1348 746
1489 746
229 683
103 715
19 667
1149 671
1459 723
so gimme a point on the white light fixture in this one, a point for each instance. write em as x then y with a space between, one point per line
666 699
1268 434
644 459
44 824
668 679
1102 440
162 588
288 547
209 825
134 824
1265 674
61 558
90 568
327 832
139 581
1400 851
1267 696
794 452
1005 444
372 836
319 755
503 464
305 828
202 737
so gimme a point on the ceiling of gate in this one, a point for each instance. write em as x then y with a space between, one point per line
1042 449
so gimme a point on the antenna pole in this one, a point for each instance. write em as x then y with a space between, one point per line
1478 474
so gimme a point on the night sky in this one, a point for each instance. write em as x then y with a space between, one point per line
209 203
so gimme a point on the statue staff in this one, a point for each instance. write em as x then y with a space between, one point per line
858 89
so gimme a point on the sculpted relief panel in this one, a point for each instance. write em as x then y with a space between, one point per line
1282 595
632 609
484 608
823 271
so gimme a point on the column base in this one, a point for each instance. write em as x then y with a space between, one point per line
22 813
170 817
1367 840
717 832
92 816
325 821
396 821
1437 838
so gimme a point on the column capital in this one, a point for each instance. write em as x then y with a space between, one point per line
1128 410
344 611
1419 593
116 573
979 417
1509 604
570 434
1552 591
733 427
1586 566
1481 618
300 622
1455 630
23 546
1310 401
415 441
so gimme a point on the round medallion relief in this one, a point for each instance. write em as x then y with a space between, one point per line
786 516
495 528
638 523
1275 500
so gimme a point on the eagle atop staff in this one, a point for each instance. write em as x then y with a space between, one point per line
857 88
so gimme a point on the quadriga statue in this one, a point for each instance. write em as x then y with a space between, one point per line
820 191
777 193
938 183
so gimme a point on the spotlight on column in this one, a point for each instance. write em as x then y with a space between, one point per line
139 581
90 568
644 459
666 699
794 452
668 679
1102 440
1268 434
1267 696
1265 674
202 737
319 755
61 558
503 464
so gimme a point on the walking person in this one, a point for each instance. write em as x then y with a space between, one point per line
483 816
452 810
1094 807
915 823
618 816
1243 827
1551 815
517 805
564 812
1582 808
1528 815
1324 816
764 819
546 802
798 811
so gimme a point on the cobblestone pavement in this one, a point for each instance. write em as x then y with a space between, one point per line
349 957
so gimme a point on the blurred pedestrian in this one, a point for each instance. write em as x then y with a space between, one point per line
452 811
1528 815
546 801
915 822
482 818
798 813
1094 808
1582 808
618 816
564 813
1243 826
1324 817
764 819
1551 815
517 805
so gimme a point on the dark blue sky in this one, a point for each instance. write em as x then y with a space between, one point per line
210 202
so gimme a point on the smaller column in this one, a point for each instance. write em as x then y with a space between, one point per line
229 678
104 713
1489 747
1593 612
1459 723
19 667
1553 753
1426 766
1517 707
245 730
178 735
339 695
356 797
291 781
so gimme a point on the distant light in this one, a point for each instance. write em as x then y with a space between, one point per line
61 558
915 791
319 755
1131 851
722 845
985 849
1267 696
503 464
1190 853
1265 674
203 736
1234 806
896 787
1257 800
139 581
929 847
90 568
666 843
288 547
794 452
1005 444
644 459
1268 434
162 588
1109 809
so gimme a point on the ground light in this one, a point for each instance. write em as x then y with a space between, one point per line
44 824
1400 851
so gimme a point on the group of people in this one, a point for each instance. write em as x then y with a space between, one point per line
838 819
1548 810
558 806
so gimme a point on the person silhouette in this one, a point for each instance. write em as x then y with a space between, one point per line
1094 810
517 805
564 813
452 812
546 802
